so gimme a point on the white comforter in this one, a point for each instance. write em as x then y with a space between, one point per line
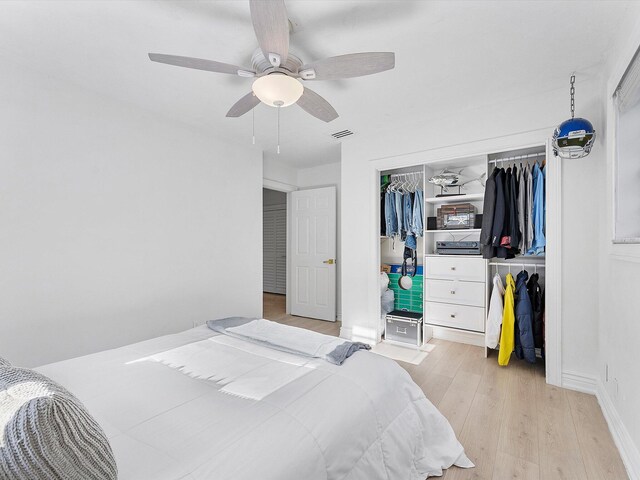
199 405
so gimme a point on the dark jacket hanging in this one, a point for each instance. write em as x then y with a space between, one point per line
524 331
506 226
537 307
514 227
488 210
499 214
504 242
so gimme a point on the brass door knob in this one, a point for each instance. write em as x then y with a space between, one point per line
331 261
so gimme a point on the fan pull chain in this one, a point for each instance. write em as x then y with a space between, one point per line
278 104
253 126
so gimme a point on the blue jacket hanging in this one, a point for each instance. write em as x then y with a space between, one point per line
524 318
391 220
539 242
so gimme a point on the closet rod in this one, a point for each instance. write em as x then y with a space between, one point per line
516 264
517 157
399 175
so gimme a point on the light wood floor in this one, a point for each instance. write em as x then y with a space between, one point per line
511 423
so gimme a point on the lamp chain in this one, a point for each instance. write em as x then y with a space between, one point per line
572 91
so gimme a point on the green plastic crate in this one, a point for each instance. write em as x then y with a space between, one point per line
411 300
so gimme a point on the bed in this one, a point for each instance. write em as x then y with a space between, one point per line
202 405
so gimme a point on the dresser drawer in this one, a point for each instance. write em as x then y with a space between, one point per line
453 291
452 268
455 316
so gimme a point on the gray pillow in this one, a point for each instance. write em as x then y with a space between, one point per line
46 433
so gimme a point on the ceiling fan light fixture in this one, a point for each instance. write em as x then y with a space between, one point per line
276 88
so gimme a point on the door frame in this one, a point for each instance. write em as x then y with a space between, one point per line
553 287
286 188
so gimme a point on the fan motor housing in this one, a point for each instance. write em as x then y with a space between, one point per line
263 66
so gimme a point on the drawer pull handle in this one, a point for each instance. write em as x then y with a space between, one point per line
453 315
453 268
453 292
401 330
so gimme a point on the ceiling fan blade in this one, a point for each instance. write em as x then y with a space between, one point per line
315 105
271 25
200 64
348 66
242 106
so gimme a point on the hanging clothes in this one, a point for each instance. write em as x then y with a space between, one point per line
508 323
496 309
407 221
522 193
499 214
537 308
509 226
505 239
407 212
488 211
383 219
514 232
384 183
529 209
543 170
418 213
401 229
523 327
391 219
539 241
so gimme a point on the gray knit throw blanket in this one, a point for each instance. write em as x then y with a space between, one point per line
46 433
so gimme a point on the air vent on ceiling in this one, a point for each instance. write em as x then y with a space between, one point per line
342 133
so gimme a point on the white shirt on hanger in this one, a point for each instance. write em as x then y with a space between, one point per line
494 319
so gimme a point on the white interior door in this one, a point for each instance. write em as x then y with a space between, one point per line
313 253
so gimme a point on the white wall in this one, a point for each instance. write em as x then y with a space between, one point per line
279 174
115 223
619 325
518 122
324 176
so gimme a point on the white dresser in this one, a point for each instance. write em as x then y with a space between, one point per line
455 295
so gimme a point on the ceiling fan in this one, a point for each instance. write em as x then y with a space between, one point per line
277 71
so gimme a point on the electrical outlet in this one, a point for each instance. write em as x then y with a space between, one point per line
606 372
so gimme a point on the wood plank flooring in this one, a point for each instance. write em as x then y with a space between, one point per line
511 423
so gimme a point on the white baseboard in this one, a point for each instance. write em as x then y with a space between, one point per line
626 447
579 382
628 450
453 335
346 332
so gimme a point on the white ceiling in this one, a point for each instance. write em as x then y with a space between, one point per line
450 56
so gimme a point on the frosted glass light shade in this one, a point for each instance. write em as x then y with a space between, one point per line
277 87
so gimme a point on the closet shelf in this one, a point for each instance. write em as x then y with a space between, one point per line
469 197
453 232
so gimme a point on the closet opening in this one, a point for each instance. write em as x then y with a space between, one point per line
478 266
274 249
